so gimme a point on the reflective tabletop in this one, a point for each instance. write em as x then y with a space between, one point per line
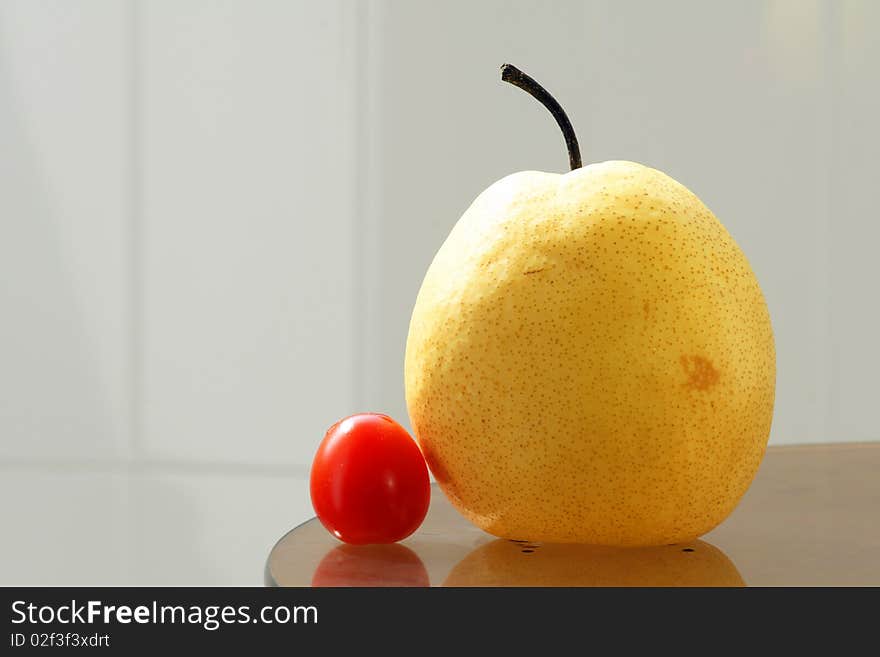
810 518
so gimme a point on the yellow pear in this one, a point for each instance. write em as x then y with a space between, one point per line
590 358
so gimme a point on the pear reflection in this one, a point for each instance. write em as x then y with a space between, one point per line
517 563
370 565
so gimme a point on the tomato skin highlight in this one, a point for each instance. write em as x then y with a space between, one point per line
369 481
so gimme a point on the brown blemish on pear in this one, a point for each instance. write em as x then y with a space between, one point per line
700 372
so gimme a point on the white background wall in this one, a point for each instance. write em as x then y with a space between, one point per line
215 217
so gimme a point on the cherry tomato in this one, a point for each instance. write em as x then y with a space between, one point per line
369 482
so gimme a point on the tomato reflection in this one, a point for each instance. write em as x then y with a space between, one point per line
371 565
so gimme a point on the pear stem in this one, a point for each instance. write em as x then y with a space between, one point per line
517 78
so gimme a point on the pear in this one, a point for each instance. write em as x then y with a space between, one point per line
590 358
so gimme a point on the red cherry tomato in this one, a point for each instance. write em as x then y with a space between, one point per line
369 482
